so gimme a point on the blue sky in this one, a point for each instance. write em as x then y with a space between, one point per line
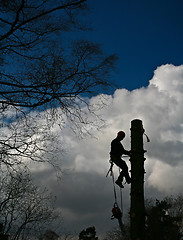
144 34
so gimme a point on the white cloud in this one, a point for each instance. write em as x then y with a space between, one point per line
168 79
159 106
166 178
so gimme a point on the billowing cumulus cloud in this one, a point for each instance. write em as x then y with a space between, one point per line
85 195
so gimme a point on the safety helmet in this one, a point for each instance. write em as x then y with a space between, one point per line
121 134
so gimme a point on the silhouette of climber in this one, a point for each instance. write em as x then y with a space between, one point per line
117 150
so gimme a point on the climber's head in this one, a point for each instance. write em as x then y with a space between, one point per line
121 135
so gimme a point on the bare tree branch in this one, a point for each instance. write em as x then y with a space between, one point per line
44 81
25 208
15 26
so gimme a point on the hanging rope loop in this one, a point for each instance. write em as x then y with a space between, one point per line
110 169
117 213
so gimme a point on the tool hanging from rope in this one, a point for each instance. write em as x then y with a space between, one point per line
117 213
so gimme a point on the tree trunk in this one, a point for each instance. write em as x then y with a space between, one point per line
137 211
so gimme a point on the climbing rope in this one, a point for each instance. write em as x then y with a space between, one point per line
117 213
114 188
121 196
